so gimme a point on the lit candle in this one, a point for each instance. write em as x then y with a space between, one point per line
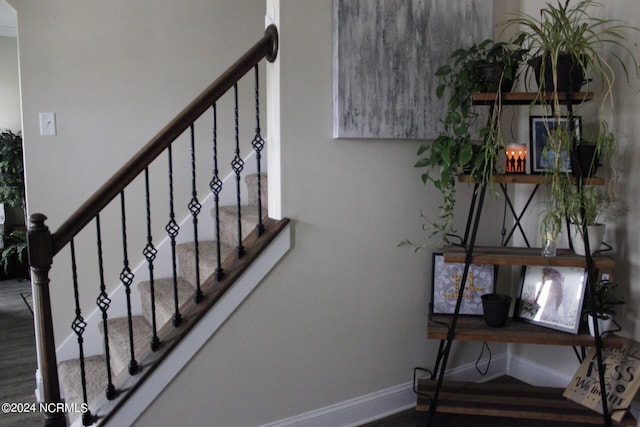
516 158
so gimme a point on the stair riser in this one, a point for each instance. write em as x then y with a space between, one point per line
164 299
252 188
229 223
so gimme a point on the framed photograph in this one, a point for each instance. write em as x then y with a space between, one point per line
552 297
542 129
446 284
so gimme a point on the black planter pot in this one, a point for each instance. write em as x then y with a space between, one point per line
570 73
584 161
489 76
496 309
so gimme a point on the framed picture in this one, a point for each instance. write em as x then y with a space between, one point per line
446 284
542 129
552 297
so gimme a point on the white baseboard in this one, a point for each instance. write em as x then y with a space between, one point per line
536 374
385 402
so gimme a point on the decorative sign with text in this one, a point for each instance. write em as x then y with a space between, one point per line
621 375
446 286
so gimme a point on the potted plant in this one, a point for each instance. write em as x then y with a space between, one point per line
568 34
604 301
592 209
457 149
11 169
14 254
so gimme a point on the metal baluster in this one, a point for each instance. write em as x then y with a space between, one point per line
216 188
194 208
238 165
173 229
103 301
78 326
126 277
150 253
258 145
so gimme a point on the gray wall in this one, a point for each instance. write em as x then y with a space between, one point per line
344 314
9 85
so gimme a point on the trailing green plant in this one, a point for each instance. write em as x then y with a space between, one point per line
571 29
576 201
11 169
457 149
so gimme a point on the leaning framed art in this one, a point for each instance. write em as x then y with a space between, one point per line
552 297
542 132
446 285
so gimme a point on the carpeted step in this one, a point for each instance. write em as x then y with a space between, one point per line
229 222
207 256
252 187
164 298
96 376
119 341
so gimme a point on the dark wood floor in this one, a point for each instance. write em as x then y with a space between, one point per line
18 352
413 418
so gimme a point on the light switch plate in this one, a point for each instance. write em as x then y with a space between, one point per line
47 124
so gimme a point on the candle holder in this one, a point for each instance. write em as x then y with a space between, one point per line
516 158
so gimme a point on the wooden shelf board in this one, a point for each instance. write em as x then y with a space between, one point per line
525 256
474 328
527 179
509 400
526 98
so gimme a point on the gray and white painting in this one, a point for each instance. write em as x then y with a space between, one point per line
385 55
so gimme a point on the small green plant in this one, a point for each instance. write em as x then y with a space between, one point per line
605 298
14 254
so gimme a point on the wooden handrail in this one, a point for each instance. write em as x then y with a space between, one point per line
266 47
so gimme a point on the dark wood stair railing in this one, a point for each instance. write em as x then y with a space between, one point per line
44 245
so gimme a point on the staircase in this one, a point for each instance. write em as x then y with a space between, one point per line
120 355
180 313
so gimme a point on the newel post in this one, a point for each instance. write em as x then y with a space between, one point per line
40 260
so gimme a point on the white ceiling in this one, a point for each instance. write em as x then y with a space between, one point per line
8 21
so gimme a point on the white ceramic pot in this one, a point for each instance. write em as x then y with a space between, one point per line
604 324
596 234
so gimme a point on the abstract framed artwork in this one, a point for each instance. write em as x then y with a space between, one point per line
446 284
552 297
385 54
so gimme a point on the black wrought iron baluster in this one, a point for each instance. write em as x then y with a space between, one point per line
216 188
238 165
150 253
194 208
173 229
103 301
258 145
78 326
126 277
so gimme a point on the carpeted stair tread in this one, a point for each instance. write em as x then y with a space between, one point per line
229 222
119 341
252 188
164 298
96 375
206 255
